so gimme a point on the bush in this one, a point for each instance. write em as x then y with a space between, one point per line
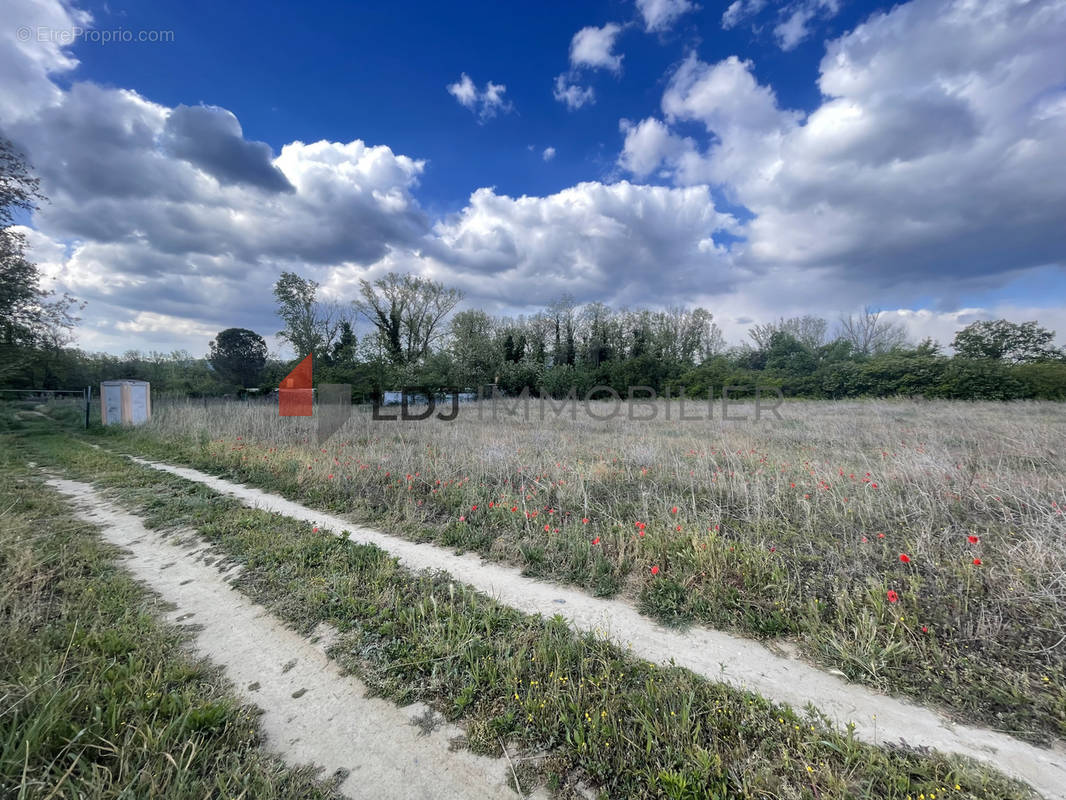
1043 380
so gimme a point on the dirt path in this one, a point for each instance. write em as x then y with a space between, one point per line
313 713
713 654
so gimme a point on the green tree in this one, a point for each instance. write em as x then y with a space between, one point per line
310 324
473 348
344 349
787 354
514 345
978 379
1044 380
33 328
408 312
1001 340
238 356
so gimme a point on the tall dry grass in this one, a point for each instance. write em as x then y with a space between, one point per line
792 526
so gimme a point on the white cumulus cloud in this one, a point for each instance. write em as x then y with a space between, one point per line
486 103
571 94
937 155
659 15
594 47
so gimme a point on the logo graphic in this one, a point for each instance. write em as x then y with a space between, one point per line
296 398
295 395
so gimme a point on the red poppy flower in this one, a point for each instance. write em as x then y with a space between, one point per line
584 520
462 519
314 529
925 629
596 540
673 510
977 562
655 570
892 596
972 539
906 559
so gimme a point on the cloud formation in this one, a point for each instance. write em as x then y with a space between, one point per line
594 47
591 48
486 103
595 241
935 161
795 19
571 94
660 15
937 154
211 139
28 60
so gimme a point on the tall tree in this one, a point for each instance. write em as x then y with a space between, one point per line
311 325
514 343
238 356
869 332
29 320
808 330
345 348
700 336
408 312
473 348
1001 340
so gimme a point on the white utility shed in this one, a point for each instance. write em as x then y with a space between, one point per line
125 402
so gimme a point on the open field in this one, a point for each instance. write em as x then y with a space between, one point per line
916 547
573 710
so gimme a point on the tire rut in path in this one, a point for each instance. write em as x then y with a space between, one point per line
713 654
312 712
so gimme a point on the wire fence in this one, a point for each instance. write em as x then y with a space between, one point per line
81 398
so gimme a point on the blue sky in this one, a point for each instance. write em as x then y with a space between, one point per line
378 71
759 158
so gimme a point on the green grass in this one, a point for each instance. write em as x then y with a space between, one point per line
592 712
744 539
98 698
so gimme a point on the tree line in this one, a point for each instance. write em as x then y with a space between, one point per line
413 336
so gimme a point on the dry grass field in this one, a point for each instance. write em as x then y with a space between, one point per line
918 547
